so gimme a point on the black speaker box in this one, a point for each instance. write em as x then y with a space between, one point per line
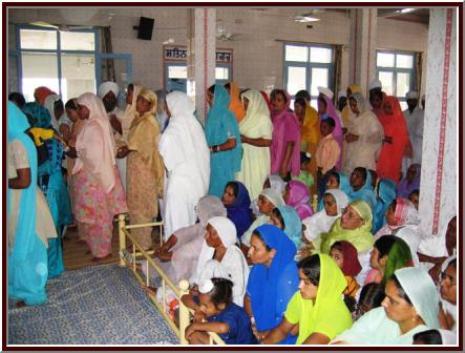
145 28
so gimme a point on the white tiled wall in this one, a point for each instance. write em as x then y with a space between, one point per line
258 51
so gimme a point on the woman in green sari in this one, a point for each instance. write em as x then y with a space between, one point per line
353 226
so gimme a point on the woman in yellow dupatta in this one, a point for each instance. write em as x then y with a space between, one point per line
235 106
309 133
346 112
145 166
318 307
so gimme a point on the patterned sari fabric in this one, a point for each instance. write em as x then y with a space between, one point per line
101 195
145 172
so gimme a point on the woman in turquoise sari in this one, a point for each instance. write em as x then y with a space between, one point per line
52 184
27 253
223 138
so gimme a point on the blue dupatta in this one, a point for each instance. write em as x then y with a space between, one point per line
240 212
271 288
221 125
27 259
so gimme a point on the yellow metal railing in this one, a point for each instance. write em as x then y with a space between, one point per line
129 258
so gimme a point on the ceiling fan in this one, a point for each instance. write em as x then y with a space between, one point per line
60 27
310 16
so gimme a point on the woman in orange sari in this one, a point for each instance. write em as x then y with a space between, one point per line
235 106
396 140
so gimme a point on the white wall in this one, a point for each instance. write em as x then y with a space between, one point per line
258 56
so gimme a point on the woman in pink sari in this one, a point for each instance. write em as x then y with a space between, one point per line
297 196
285 145
326 109
100 193
396 140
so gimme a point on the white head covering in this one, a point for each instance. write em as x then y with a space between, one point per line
49 103
99 162
326 92
183 142
341 93
341 199
448 337
422 293
208 207
375 84
277 183
273 196
206 286
227 232
257 118
411 95
106 87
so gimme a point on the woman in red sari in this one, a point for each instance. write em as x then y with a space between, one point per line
396 140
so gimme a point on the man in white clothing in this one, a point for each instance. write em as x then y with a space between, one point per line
414 117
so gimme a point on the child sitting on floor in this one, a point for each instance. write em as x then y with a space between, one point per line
217 313
305 176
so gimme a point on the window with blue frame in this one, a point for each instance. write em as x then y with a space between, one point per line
64 61
308 66
396 71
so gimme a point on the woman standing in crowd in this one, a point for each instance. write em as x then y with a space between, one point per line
223 139
285 145
27 239
273 280
145 167
236 106
51 182
100 193
363 138
187 161
396 142
256 133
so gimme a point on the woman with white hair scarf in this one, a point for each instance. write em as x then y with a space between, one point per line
334 202
100 195
411 305
220 257
187 161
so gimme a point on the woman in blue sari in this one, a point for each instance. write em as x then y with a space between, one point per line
223 139
52 184
386 193
236 199
273 279
286 218
362 187
27 253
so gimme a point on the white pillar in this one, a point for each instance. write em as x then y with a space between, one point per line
202 57
362 62
438 195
